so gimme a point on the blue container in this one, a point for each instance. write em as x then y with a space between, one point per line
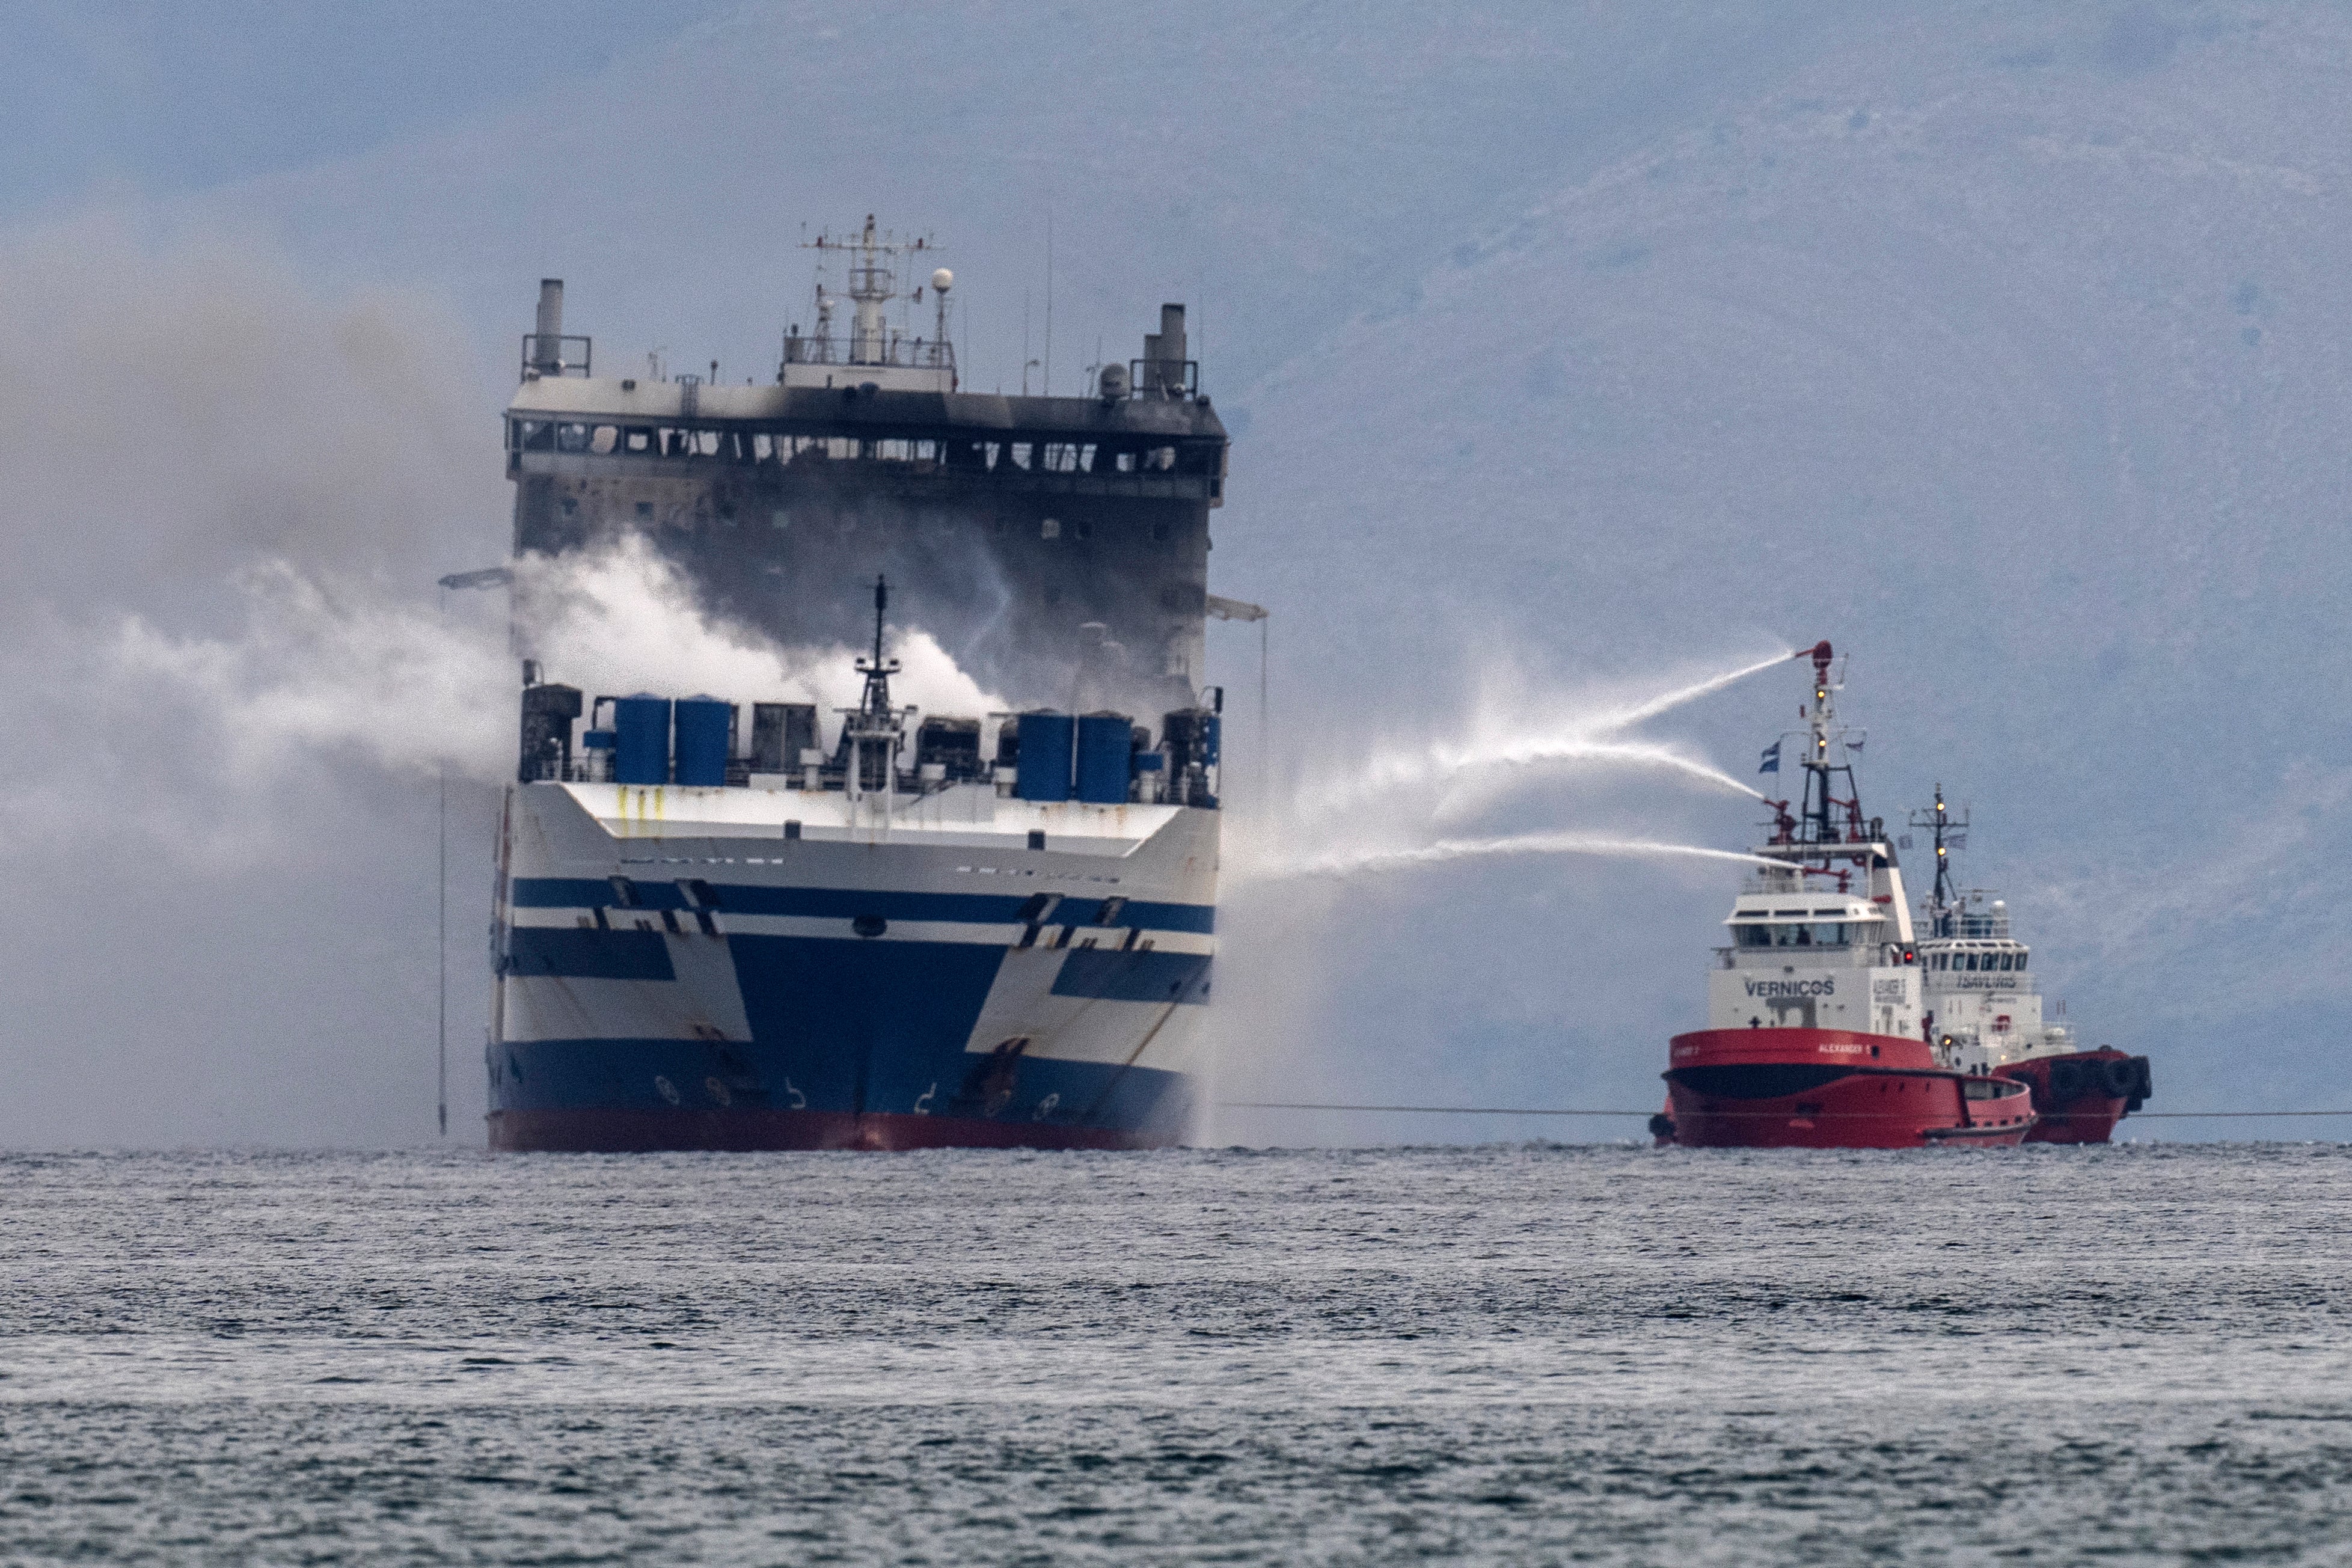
641 726
1046 739
1105 741
705 725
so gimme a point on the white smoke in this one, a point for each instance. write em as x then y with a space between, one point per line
337 669
325 667
621 620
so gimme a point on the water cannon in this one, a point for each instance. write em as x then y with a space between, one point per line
1822 655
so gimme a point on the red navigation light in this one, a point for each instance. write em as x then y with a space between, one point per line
1910 955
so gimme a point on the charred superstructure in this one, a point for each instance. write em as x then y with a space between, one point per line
869 927
1046 543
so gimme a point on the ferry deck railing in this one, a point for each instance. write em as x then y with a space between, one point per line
896 351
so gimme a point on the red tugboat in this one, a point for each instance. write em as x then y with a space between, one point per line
1984 1008
1816 1035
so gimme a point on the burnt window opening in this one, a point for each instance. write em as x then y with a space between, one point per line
1112 907
624 892
869 925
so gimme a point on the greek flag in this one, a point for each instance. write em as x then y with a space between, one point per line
1771 759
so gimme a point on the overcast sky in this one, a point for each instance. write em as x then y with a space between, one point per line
1572 351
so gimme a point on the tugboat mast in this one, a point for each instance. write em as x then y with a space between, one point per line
1824 817
1951 832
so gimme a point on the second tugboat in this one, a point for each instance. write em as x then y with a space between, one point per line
1985 1011
1816 1034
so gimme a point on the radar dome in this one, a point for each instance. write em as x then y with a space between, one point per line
942 280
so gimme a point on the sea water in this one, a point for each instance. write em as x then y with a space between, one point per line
1506 1354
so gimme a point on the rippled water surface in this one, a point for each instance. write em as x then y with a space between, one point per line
1524 1355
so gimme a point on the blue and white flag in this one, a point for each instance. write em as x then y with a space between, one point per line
1771 759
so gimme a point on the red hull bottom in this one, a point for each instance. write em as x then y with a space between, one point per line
647 1132
2071 1094
1829 1088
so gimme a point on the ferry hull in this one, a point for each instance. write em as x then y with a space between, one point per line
970 987
1829 1088
2080 1097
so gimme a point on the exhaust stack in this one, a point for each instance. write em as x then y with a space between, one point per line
547 341
1163 353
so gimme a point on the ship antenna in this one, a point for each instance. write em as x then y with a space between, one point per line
1951 832
878 670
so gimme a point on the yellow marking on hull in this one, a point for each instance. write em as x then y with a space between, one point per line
647 812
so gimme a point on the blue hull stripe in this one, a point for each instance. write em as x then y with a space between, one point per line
847 903
1134 976
588 954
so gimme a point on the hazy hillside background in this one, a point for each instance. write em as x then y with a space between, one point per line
1572 351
